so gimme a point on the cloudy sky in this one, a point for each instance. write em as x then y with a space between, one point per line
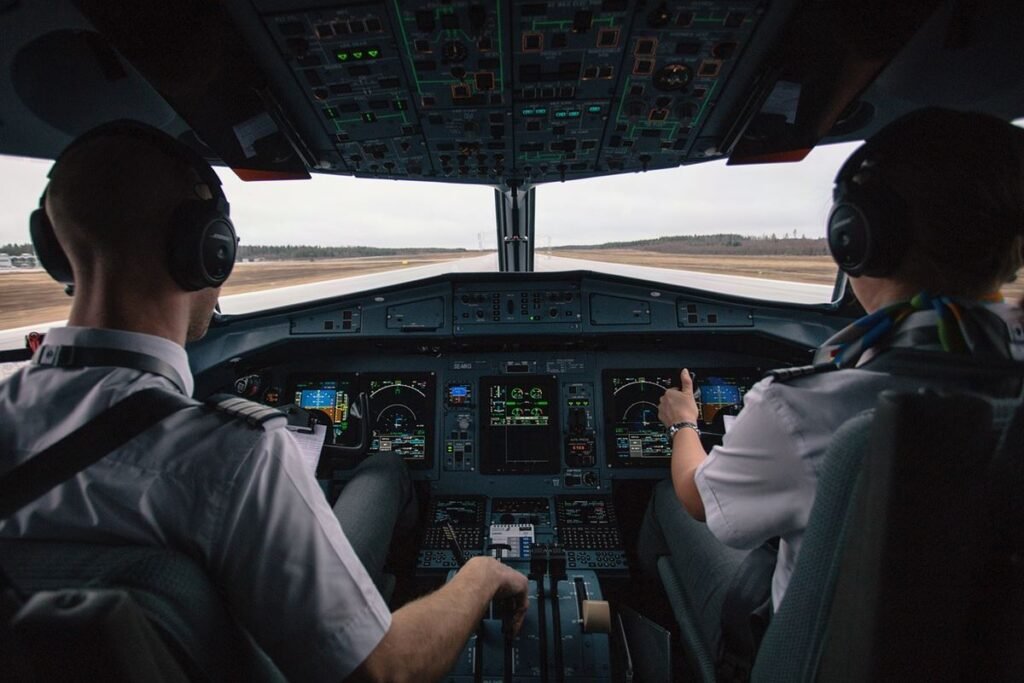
327 210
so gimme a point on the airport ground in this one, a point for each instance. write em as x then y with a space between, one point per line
31 297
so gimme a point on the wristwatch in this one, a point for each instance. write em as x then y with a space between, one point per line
674 429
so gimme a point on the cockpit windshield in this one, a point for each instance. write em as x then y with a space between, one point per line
753 231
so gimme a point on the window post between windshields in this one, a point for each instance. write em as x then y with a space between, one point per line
514 218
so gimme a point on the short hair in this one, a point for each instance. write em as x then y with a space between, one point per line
114 195
961 175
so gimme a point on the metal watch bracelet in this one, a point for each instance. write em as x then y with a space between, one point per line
675 428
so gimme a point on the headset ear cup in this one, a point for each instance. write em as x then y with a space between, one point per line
48 250
847 238
867 229
202 248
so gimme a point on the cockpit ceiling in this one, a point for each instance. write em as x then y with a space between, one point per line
497 93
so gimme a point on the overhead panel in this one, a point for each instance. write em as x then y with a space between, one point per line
503 92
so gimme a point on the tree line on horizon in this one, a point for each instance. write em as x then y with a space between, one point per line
788 244
721 244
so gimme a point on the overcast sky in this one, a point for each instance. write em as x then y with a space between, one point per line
328 210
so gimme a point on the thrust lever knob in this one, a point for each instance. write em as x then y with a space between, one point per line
597 616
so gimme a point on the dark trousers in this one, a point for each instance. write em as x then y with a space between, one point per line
710 573
376 504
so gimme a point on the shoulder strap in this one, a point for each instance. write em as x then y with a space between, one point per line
88 444
786 374
254 414
57 356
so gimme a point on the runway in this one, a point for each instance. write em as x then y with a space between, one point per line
758 288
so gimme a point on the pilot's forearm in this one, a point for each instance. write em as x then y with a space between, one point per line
687 455
427 635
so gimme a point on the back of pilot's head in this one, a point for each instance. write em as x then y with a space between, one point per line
960 177
111 200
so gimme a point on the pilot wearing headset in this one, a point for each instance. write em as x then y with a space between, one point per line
927 221
138 222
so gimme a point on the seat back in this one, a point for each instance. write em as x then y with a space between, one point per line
930 586
172 590
907 569
792 643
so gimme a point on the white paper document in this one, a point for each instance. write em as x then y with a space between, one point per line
310 444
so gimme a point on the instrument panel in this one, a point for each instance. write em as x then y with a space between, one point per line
579 427
526 409
544 384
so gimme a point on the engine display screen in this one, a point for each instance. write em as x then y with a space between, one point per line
330 396
402 414
635 435
520 427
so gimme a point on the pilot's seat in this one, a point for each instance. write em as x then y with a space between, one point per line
911 562
172 590
912 566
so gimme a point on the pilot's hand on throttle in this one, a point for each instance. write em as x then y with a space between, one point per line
513 586
678 405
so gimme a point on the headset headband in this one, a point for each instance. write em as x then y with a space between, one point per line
164 142
203 251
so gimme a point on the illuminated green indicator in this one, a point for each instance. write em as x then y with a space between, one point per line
541 111
561 114
574 114
358 55
370 117
594 109
527 112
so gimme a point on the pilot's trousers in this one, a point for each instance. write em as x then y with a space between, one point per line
704 567
378 503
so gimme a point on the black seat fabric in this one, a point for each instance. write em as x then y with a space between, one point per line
171 589
929 586
907 570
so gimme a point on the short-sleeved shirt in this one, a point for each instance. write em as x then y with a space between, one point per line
760 483
237 499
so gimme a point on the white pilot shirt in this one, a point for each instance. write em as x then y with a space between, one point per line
235 498
760 483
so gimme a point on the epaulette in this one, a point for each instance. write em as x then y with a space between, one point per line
786 374
254 414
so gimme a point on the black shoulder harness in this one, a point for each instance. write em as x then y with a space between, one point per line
786 374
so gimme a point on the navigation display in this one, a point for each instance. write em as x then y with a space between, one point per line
402 414
520 425
331 395
635 435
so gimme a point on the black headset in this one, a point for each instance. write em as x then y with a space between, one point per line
203 243
868 226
